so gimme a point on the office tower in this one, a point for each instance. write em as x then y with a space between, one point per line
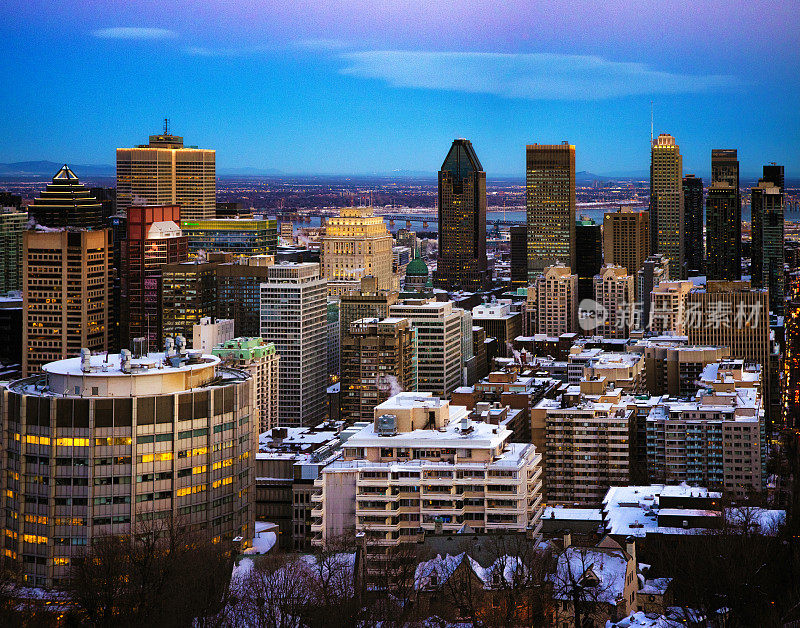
553 302
13 223
693 223
164 172
154 240
791 366
519 256
500 323
723 232
333 338
209 333
550 203
233 209
294 319
731 314
260 360
379 359
239 292
654 270
67 203
668 308
107 197
287 231
673 367
122 441
417 275
238 236
66 294
626 239
666 203
438 326
725 167
368 302
613 291
188 294
469 366
767 251
479 352
588 445
356 244
714 440
11 331
118 224
588 255
774 174
431 481
462 221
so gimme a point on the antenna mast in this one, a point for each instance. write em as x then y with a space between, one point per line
166 126
651 122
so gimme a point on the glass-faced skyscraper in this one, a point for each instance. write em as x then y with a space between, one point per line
462 221
724 217
693 222
767 205
550 203
666 202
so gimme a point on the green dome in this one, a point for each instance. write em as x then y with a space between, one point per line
417 268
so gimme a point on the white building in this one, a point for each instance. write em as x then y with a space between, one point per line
294 318
206 334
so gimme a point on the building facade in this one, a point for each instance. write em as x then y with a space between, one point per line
626 239
104 445
66 202
552 302
519 256
239 292
164 172
462 260
241 237
588 255
614 294
723 232
550 203
294 319
13 223
693 223
767 255
188 294
666 203
66 296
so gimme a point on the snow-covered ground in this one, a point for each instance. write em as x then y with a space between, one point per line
265 538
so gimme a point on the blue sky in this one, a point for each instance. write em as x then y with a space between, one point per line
364 86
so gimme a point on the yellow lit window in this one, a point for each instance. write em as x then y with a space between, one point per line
61 560
199 451
147 458
33 538
164 457
200 469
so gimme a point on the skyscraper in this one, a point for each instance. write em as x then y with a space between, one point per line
626 239
519 256
12 225
462 221
666 203
164 172
154 240
66 202
552 303
723 232
791 366
66 294
550 202
693 223
725 167
188 294
356 244
294 318
767 255
588 255
239 292
613 289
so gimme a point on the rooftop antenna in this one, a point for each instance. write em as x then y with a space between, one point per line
166 126
651 122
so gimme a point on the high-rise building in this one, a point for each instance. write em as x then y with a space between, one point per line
188 294
550 203
613 291
723 232
356 244
552 303
654 270
519 256
666 203
500 323
767 251
626 239
790 380
209 333
725 167
11 330
239 236
439 326
109 441
153 240
668 308
107 197
462 221
588 255
774 174
367 302
164 172
66 202
294 319
333 338
13 223
239 292
379 360
397 453
261 360
67 289
693 223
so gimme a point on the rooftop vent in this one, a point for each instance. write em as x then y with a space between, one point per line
387 425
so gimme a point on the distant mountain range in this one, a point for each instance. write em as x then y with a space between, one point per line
49 168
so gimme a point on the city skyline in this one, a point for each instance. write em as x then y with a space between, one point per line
262 84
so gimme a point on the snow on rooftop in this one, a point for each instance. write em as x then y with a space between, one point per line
572 514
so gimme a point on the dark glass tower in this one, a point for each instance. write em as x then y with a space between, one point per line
693 223
67 203
723 233
767 256
588 256
462 221
519 256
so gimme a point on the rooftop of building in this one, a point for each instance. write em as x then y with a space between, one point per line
111 365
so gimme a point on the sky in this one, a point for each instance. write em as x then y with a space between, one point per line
335 87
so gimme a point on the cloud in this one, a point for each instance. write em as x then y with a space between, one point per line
535 76
134 32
